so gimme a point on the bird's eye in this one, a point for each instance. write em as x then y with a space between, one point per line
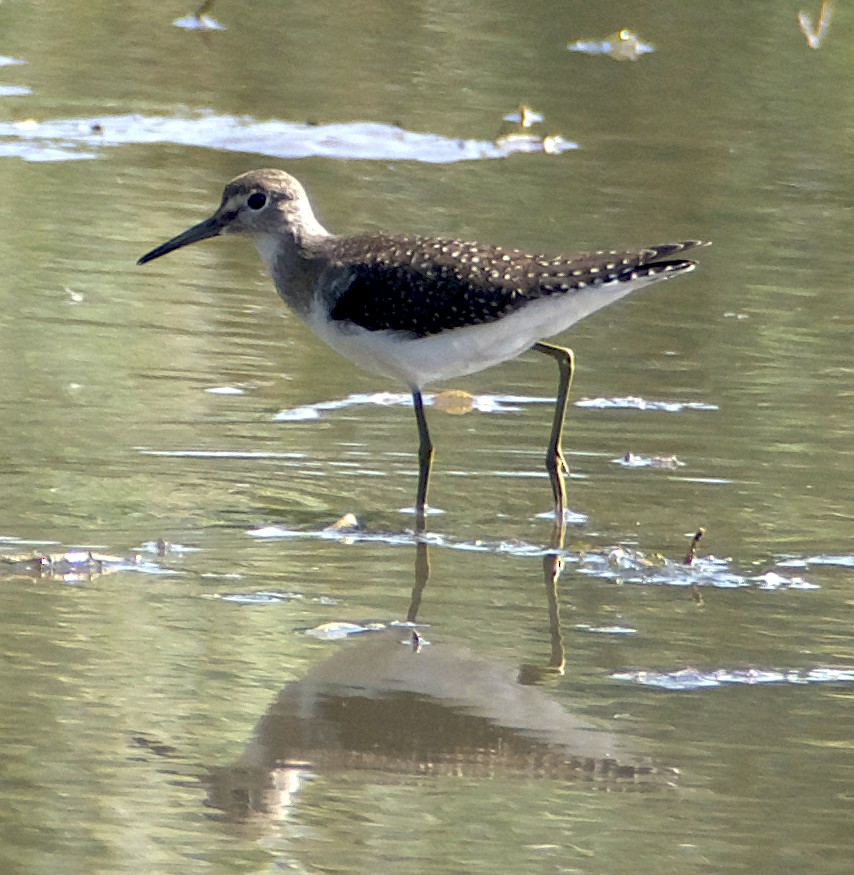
256 200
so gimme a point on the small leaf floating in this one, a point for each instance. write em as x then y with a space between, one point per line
624 45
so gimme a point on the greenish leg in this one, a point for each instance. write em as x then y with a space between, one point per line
425 459
555 462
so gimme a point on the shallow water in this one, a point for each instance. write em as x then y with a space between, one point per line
176 421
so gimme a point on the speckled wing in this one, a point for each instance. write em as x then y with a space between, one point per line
423 285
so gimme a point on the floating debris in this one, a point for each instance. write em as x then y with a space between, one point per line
691 558
691 555
454 402
624 45
199 20
633 566
346 522
520 138
6 61
524 116
521 141
554 144
816 35
73 566
623 564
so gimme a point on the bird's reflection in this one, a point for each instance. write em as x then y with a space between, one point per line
552 567
386 706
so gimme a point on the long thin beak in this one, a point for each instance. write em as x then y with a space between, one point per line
209 228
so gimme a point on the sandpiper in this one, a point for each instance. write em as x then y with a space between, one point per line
422 309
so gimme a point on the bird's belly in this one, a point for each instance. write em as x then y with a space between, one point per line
418 361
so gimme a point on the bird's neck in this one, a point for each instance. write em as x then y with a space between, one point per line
292 262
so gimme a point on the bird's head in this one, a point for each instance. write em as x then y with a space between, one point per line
261 203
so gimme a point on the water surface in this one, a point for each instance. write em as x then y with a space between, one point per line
182 404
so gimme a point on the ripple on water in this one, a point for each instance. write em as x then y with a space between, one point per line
480 403
274 138
843 560
608 563
686 679
75 566
198 21
259 597
632 402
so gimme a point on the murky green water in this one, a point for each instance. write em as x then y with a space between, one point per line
173 713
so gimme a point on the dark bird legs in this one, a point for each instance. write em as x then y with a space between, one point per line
555 463
425 459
